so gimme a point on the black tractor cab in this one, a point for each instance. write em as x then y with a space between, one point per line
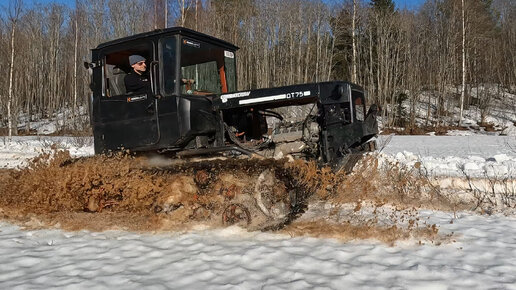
183 67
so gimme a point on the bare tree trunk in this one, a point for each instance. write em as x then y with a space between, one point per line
155 14
307 60
75 60
463 64
317 52
371 76
14 15
330 62
184 6
353 38
11 73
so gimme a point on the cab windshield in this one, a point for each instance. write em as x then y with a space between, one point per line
206 69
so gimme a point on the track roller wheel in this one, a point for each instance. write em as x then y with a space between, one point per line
236 213
202 178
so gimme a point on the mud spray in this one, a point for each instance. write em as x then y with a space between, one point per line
124 192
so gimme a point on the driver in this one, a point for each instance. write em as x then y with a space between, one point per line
137 81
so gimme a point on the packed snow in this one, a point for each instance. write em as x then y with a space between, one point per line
21 149
480 252
474 156
482 257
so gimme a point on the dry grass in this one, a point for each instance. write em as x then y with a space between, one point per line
382 198
373 180
393 183
423 130
321 181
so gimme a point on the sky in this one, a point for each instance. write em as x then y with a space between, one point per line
409 4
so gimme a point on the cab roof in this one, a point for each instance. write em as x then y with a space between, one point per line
171 31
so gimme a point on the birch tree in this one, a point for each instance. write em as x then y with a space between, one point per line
15 10
463 91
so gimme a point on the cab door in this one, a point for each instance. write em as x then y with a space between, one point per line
126 120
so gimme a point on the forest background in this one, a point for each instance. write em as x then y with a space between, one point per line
434 55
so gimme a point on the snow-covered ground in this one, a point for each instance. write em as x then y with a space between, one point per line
20 149
481 253
482 257
475 155
500 110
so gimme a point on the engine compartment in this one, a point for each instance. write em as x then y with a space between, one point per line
276 132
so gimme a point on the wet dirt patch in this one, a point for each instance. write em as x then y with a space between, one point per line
364 220
124 192
347 232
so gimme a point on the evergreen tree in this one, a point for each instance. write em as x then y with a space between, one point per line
341 27
383 6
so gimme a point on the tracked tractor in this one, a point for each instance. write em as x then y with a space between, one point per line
192 107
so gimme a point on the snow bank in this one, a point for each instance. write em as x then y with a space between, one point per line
475 156
21 149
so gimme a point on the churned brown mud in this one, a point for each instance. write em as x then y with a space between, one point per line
146 194
124 192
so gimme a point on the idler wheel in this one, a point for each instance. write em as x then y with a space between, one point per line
235 213
230 192
202 178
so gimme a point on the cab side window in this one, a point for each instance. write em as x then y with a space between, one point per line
117 67
168 64
115 76
358 105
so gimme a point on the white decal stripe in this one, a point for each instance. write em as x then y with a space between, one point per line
263 99
225 98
